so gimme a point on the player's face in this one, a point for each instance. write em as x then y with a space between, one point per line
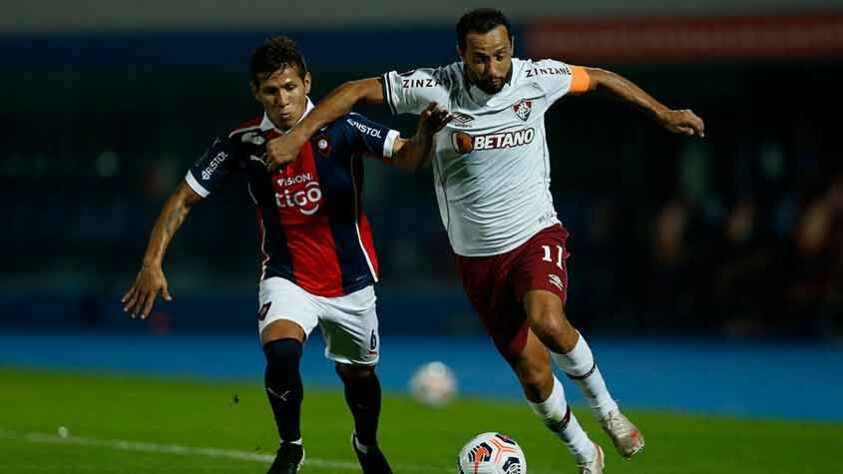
284 96
488 58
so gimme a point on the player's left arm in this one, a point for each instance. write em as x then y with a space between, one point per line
414 153
678 121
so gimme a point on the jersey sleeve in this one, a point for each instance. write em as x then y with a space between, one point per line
369 137
557 79
210 171
410 92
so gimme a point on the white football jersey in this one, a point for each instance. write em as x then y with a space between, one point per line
492 169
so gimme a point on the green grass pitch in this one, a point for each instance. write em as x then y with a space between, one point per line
164 425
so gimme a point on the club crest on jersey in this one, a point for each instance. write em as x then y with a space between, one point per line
522 109
323 145
464 143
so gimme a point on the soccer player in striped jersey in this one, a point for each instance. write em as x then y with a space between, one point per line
492 181
318 263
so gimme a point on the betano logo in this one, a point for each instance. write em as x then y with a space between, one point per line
465 143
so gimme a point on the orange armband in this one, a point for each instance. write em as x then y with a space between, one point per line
580 80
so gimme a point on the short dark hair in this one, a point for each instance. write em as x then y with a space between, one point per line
481 20
275 54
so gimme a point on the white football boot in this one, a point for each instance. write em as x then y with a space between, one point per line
627 439
595 465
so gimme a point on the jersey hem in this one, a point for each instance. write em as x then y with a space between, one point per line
508 248
346 290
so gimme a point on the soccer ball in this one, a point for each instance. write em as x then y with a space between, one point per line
491 453
433 384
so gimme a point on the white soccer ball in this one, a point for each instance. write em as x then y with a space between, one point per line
433 384
491 453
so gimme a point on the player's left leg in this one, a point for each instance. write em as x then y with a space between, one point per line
363 396
350 328
546 397
488 284
540 281
568 349
572 354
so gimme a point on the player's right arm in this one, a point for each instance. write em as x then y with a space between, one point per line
339 102
150 280
409 92
206 175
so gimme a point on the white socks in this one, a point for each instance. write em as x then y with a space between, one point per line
558 417
579 365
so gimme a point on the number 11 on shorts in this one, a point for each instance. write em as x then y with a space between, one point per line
548 257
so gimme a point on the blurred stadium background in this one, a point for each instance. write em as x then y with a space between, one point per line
707 273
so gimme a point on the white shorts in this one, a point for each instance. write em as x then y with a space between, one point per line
349 323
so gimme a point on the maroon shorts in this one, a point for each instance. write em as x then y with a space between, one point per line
496 285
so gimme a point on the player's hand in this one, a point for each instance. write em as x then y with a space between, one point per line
432 119
141 296
282 150
685 122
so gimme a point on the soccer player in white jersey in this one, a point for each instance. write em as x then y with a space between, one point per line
491 173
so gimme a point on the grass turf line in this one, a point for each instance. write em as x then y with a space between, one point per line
168 412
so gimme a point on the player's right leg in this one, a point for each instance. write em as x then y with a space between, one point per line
487 283
540 280
363 396
350 328
546 397
286 317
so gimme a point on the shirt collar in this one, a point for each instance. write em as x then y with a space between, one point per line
266 123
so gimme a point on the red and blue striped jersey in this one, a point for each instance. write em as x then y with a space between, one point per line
310 213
